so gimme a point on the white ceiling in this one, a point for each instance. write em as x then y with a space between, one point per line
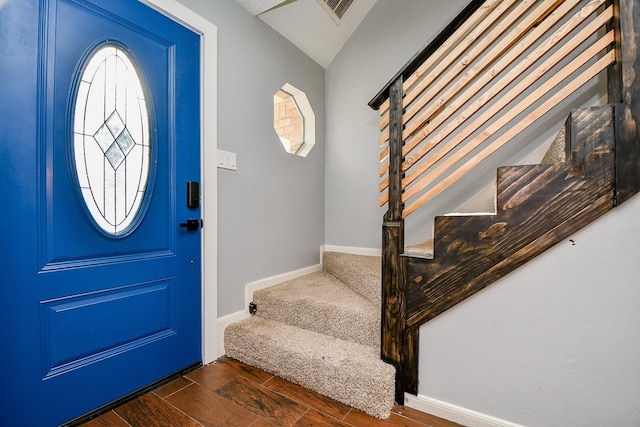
308 26
258 6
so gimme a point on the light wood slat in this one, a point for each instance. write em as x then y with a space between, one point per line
384 108
384 121
384 138
482 43
527 81
502 63
383 185
459 41
527 62
460 35
384 153
384 199
564 92
384 167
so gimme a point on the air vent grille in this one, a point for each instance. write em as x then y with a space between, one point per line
336 8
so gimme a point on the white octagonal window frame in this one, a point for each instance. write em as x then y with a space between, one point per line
309 120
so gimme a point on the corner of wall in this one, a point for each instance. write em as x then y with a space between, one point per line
249 289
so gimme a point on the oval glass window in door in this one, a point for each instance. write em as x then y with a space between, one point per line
111 141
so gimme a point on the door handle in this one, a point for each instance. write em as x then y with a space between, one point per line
192 224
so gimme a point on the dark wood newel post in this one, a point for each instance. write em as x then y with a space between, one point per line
396 339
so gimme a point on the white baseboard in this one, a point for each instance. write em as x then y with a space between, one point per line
249 289
351 250
454 413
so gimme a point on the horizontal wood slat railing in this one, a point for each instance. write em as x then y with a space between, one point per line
499 63
494 70
522 124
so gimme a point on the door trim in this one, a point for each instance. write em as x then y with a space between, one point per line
209 177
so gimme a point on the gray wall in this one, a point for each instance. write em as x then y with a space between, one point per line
271 210
553 344
556 343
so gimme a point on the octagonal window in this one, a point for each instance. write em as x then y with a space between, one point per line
293 120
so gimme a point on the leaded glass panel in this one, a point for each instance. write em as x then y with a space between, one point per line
111 142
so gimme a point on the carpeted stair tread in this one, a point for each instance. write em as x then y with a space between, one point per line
320 302
423 250
345 371
360 272
322 331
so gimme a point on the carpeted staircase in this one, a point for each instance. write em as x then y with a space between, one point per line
322 331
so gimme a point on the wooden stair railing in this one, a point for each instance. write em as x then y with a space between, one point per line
442 117
495 69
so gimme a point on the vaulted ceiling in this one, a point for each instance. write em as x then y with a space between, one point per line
310 24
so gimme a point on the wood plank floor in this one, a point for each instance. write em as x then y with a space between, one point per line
230 393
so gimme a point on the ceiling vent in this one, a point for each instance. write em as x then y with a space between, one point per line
336 8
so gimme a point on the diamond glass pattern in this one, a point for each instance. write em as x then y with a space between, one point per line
114 123
104 138
115 156
125 142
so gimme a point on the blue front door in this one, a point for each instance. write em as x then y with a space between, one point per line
99 132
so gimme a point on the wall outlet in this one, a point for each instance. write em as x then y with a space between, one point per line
227 160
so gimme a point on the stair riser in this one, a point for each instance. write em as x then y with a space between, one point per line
336 370
358 272
346 325
321 303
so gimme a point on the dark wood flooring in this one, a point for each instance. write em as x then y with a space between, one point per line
230 393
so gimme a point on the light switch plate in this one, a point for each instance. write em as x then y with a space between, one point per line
227 160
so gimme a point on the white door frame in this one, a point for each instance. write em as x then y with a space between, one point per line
209 175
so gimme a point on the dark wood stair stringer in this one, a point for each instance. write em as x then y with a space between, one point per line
537 207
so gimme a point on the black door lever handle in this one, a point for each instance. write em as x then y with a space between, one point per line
192 224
